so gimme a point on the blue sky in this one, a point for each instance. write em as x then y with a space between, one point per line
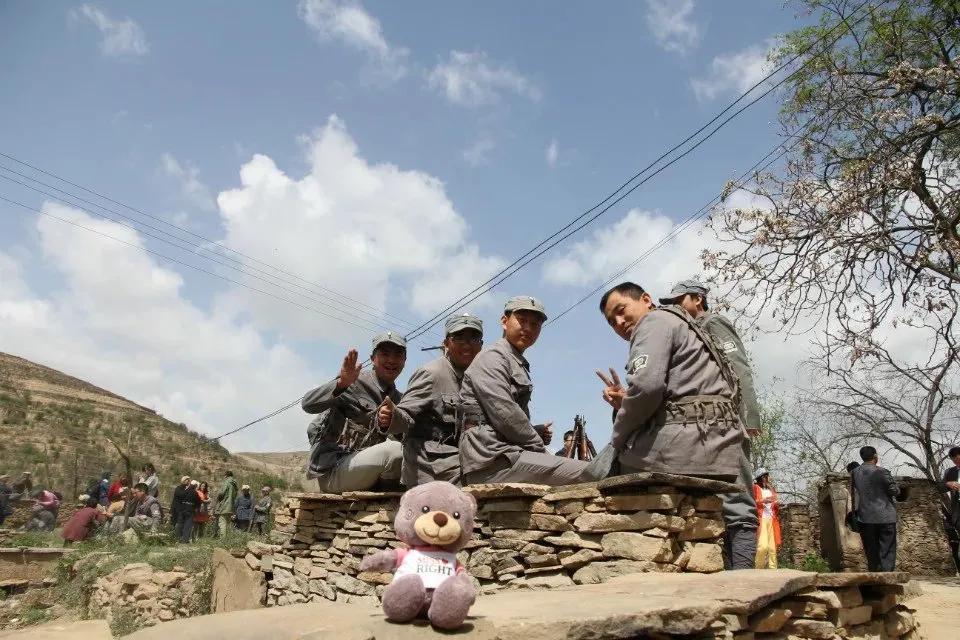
396 153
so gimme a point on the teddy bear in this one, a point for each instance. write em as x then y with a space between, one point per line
435 520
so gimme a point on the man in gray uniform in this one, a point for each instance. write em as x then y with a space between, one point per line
875 506
499 444
680 410
739 509
429 411
348 449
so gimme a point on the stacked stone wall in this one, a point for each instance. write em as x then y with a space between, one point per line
145 594
797 533
525 536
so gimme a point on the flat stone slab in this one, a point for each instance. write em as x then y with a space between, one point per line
85 630
645 478
853 579
507 490
625 607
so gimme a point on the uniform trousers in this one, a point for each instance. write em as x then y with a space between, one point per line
360 470
740 519
766 545
533 467
879 545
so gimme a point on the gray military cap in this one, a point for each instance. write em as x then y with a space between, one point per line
527 303
389 336
684 287
463 321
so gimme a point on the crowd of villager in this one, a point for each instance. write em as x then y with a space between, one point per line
687 406
113 504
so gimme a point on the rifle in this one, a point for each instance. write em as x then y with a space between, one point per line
582 448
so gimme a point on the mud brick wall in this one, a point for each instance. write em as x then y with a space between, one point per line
526 536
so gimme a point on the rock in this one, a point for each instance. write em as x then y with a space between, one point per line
809 628
883 604
375 577
827 598
851 616
129 536
539 506
573 540
550 580
252 561
321 588
653 478
702 529
704 557
168 578
569 507
542 560
547 522
603 571
513 504
135 573
532 548
648 502
165 615
573 492
849 597
769 620
260 549
302 566
606 522
708 503
579 559
506 490
351 585
635 546
317 572
146 590
898 622
852 579
803 609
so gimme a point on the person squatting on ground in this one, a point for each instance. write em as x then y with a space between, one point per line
874 503
82 523
46 506
768 512
428 413
739 508
498 443
680 411
182 509
341 456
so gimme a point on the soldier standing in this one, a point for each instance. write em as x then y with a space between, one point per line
680 410
348 450
739 509
429 410
499 444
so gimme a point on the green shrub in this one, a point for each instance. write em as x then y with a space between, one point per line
814 562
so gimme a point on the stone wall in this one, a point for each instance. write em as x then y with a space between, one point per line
850 605
526 536
797 530
35 566
145 595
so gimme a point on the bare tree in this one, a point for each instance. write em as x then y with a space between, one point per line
856 240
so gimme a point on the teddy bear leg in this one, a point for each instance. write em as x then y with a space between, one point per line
404 598
451 602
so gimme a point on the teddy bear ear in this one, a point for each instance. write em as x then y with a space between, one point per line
472 500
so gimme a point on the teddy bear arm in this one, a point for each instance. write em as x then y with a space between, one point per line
380 561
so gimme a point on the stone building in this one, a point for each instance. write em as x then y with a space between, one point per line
922 546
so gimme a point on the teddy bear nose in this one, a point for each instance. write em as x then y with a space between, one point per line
440 519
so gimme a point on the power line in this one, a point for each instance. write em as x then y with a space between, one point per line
533 253
191 248
187 264
189 232
519 263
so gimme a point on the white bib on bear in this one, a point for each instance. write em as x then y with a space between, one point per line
433 566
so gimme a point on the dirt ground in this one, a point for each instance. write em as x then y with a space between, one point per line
938 609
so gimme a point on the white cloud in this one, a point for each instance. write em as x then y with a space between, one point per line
121 321
672 25
478 153
553 153
188 178
347 22
733 72
372 229
121 38
470 79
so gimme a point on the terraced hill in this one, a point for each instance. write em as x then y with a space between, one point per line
67 431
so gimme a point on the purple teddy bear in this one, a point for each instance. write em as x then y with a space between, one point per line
435 520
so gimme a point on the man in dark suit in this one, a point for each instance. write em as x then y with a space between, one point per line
951 485
875 492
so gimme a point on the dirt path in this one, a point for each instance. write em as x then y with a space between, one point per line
938 609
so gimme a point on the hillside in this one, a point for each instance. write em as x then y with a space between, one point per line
67 431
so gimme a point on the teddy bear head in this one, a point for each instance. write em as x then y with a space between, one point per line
437 514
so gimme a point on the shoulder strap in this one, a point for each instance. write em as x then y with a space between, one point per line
726 370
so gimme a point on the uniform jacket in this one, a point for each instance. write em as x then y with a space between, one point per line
226 496
149 508
262 510
952 475
244 507
497 387
875 491
357 403
670 370
757 497
427 417
726 337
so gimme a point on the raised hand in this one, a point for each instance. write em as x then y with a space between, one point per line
613 391
546 433
385 413
349 370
